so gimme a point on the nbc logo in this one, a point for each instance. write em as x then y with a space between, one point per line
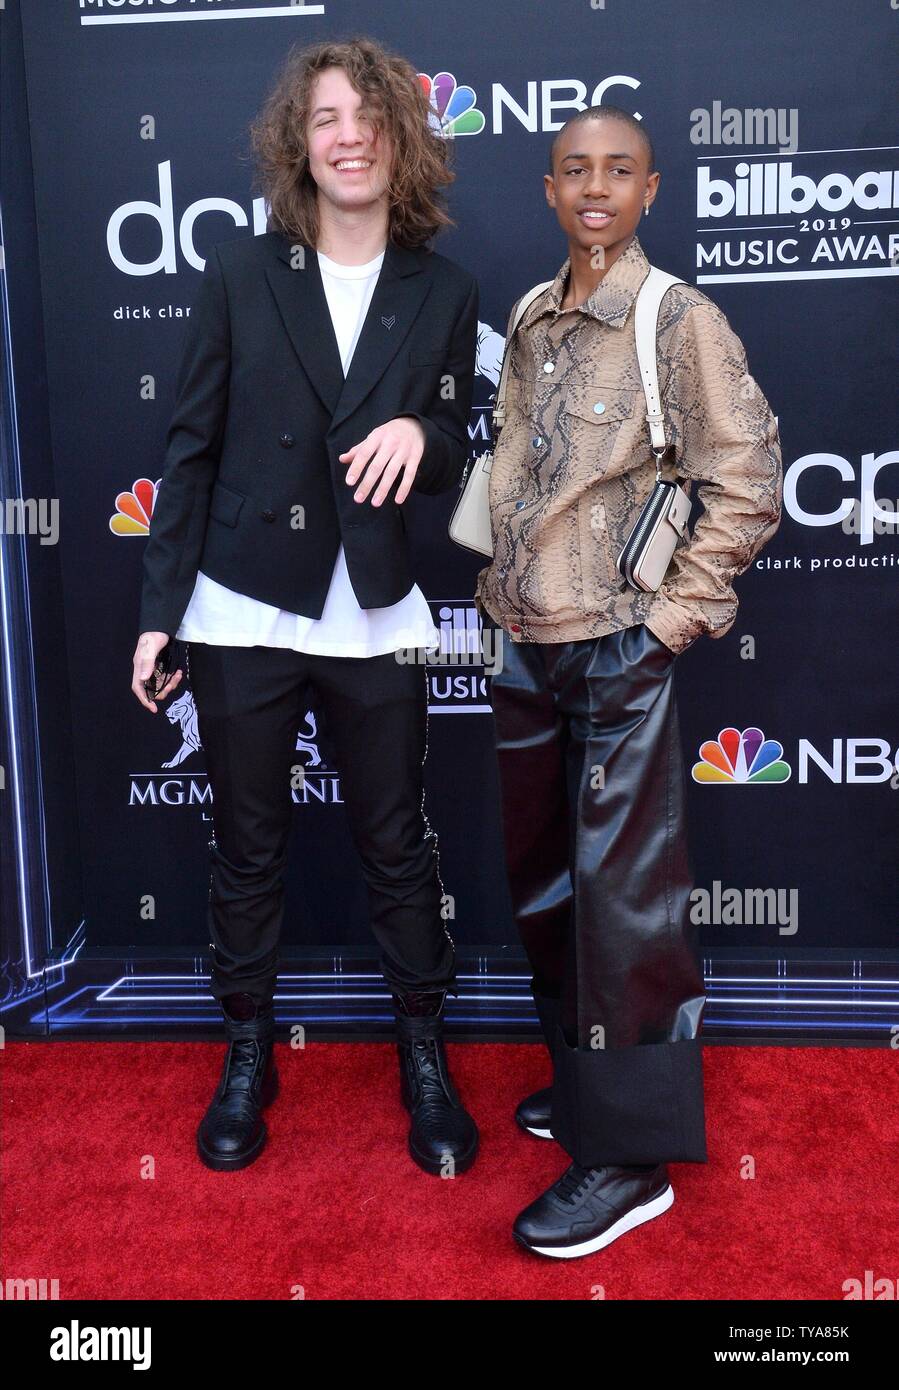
453 109
134 509
741 757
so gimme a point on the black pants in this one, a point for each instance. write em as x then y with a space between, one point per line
593 797
251 702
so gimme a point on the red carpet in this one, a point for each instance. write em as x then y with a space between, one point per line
335 1204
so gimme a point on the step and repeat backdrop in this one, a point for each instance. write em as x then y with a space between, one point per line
778 198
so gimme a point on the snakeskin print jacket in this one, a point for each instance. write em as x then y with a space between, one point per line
573 467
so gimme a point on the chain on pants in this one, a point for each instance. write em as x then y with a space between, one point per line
211 843
250 702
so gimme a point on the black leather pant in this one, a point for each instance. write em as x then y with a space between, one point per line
251 701
593 798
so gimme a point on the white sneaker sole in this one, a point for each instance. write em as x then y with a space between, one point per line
540 1133
628 1222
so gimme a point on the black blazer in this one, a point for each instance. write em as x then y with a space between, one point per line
252 490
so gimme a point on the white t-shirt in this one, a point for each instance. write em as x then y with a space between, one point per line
223 617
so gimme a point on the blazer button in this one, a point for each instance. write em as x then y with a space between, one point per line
286 441
267 515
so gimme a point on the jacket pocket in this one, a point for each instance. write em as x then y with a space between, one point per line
225 504
605 430
601 405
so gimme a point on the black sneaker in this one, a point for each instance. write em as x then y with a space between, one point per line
588 1208
533 1114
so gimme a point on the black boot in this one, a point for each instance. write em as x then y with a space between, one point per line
533 1113
232 1133
443 1138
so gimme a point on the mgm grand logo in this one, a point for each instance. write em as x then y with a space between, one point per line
312 781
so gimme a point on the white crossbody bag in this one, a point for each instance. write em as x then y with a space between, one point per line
647 553
469 525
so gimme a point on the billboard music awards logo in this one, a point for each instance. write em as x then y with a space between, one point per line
804 214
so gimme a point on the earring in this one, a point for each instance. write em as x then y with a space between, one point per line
646 208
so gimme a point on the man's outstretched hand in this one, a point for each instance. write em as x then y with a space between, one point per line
388 451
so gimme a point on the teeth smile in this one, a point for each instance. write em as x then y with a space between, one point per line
353 164
597 216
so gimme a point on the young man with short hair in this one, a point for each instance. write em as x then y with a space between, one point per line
590 761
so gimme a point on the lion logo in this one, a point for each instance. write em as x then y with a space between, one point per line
306 743
183 712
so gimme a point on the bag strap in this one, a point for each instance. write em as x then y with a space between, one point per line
646 317
499 408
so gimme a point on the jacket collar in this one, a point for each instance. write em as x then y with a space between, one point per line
613 297
399 293
401 260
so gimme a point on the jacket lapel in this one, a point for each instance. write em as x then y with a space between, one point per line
399 293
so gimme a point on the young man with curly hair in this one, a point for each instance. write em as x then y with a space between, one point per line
328 370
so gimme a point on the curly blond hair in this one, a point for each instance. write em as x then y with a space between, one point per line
390 85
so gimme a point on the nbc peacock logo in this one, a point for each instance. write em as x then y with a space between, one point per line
453 108
741 757
134 509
